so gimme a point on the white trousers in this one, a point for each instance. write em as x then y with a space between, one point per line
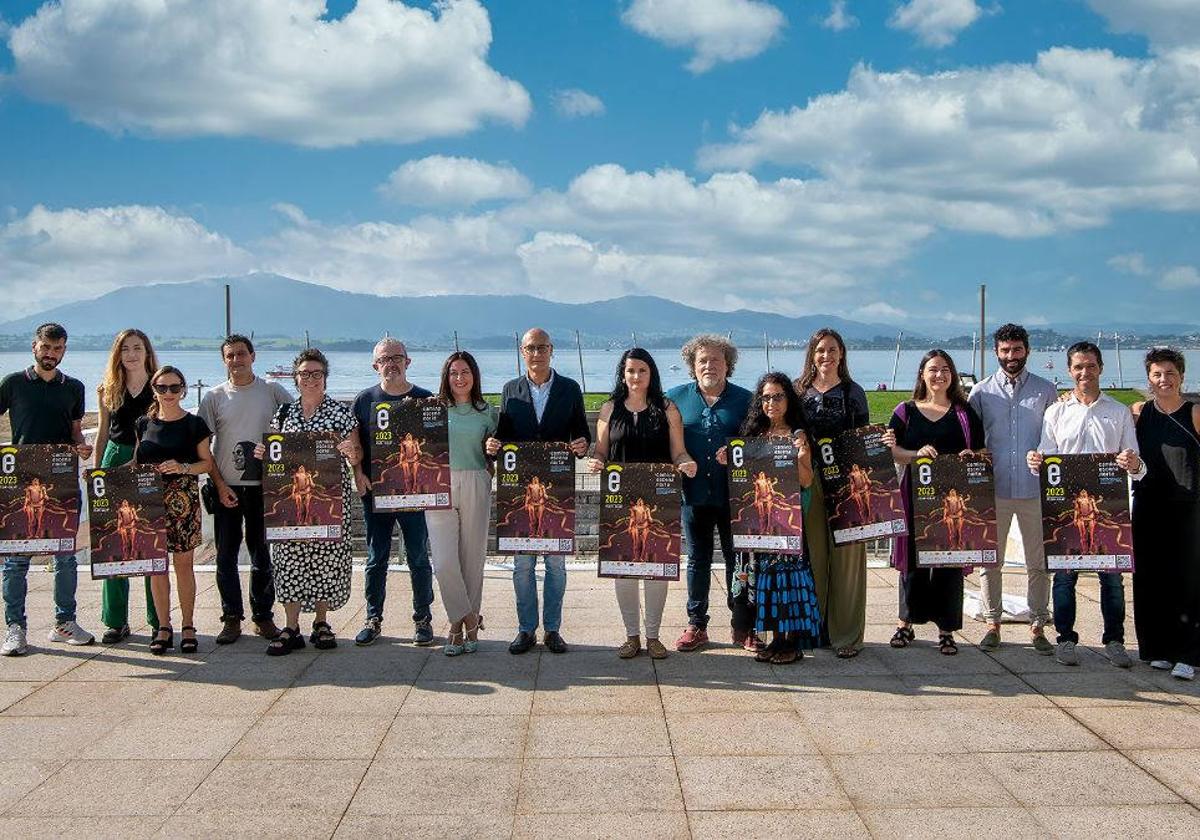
458 542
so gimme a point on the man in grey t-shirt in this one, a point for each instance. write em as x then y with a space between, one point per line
239 411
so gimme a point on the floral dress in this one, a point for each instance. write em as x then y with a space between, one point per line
309 571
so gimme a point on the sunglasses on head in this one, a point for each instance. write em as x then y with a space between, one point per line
175 388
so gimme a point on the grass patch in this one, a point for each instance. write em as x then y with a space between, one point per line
883 403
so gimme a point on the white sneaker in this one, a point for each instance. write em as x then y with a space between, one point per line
71 633
1160 665
1183 671
14 641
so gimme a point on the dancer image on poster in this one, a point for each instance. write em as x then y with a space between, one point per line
764 500
1085 510
36 495
127 528
860 492
302 494
641 520
409 458
535 506
954 515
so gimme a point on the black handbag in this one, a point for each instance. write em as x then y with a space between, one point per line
208 497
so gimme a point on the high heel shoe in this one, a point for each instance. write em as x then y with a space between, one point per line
160 646
472 645
187 645
452 649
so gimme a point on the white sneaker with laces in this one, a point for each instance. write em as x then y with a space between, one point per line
1183 671
71 633
1160 665
14 641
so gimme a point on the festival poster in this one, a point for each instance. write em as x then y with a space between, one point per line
1085 513
862 492
639 521
954 510
764 495
39 498
410 455
302 486
127 521
535 498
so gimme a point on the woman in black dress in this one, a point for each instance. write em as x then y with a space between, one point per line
1166 521
937 419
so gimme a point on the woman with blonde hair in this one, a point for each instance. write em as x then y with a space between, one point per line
125 395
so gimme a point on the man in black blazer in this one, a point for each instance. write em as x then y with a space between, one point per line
541 405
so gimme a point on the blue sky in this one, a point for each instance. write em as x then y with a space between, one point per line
875 159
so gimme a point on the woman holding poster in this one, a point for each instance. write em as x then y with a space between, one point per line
458 536
176 443
775 592
936 419
310 574
638 424
834 403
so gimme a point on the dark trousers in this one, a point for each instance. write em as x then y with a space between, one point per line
1112 606
932 595
380 527
698 522
230 524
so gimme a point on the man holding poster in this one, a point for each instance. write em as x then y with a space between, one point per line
1089 422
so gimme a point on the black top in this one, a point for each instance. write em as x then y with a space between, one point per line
641 438
175 440
122 422
563 420
841 408
40 411
363 408
945 434
1169 445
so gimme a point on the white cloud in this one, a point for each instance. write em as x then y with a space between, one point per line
1167 23
936 23
715 30
457 181
879 310
1180 277
49 257
574 102
268 68
839 19
1133 263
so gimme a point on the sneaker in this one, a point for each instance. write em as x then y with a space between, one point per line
71 633
1041 644
1115 651
656 649
369 633
231 630
1183 671
14 642
1161 665
739 637
693 638
1065 653
990 640
423 632
113 635
631 648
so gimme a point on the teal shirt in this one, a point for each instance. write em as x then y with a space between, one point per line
468 429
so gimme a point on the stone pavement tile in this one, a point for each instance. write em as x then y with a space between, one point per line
216 825
490 666
1023 661
661 826
594 666
267 786
917 780
19 775
1098 688
350 664
123 662
185 697
973 691
558 697
824 663
581 736
1179 769
585 785
448 737
40 665
772 825
1162 822
437 786
678 699
939 823
1137 728
1016 729
135 788
49 739
740 734
171 737
312 736
854 731
712 667
426 826
98 699
762 783
11 692
226 668
83 828
349 700
877 691
924 659
465 699
1076 778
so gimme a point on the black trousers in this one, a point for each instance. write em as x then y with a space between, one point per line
230 524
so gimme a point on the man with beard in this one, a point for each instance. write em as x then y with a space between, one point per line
1012 402
713 409
46 406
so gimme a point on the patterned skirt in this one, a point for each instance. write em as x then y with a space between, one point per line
181 496
786 598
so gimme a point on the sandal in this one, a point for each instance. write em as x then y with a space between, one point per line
287 641
787 656
766 653
902 637
471 645
186 644
322 637
946 644
848 652
160 646
452 649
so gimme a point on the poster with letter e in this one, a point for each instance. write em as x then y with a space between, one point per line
954 510
764 495
1085 513
39 498
639 521
302 486
127 521
535 498
862 492
410 454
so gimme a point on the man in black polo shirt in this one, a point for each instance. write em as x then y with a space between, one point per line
44 406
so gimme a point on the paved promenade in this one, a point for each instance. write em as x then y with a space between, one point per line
395 741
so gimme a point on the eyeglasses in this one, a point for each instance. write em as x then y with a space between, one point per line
534 349
170 389
391 360
773 398
938 371
310 374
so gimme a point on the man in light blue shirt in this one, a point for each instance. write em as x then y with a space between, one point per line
1012 402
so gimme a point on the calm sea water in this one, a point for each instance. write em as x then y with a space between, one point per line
351 372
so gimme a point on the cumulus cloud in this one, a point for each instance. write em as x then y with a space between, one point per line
1180 277
1166 23
715 30
1133 263
879 310
936 23
574 102
839 19
458 181
274 69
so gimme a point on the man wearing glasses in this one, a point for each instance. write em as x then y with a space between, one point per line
541 405
239 411
391 361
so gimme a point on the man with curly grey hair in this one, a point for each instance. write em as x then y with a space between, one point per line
713 409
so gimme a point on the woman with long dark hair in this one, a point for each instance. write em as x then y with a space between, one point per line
938 419
458 536
833 403
638 424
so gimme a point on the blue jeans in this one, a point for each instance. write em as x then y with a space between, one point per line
525 584
1112 606
380 527
697 522
16 585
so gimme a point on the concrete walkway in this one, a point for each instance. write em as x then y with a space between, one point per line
395 741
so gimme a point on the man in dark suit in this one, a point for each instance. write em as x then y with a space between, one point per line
541 405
